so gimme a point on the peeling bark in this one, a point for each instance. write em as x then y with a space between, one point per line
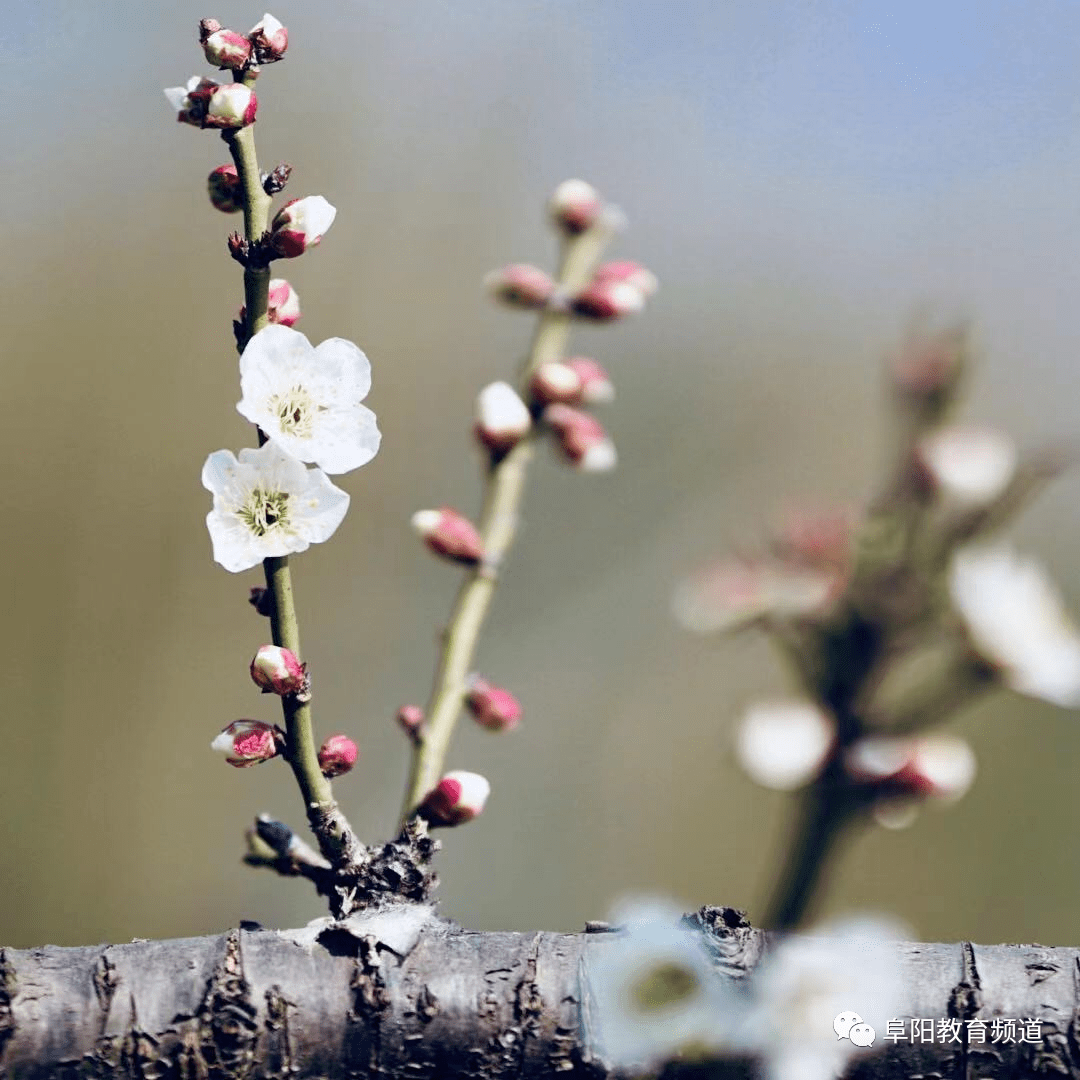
402 993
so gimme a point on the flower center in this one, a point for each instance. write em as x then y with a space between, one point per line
294 411
665 984
265 510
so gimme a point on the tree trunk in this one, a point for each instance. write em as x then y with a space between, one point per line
402 993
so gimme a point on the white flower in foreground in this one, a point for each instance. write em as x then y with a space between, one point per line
652 989
783 744
267 503
307 399
807 982
1017 622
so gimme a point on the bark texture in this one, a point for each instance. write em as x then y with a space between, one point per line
402 993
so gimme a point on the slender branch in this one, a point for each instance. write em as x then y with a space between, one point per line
333 832
504 490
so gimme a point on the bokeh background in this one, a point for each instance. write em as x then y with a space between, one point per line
799 174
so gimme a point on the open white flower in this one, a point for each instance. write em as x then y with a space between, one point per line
1017 622
307 399
801 988
652 990
267 503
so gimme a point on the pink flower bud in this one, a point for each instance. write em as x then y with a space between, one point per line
582 438
457 798
284 303
605 301
247 742
927 370
632 273
278 671
520 285
337 755
226 191
410 719
491 706
502 418
575 205
225 49
449 534
189 102
269 39
938 766
556 382
301 224
596 387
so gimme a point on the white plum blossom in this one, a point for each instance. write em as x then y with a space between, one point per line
1017 622
784 744
652 989
307 399
967 464
266 503
802 986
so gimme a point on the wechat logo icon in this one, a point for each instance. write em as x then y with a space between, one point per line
849 1025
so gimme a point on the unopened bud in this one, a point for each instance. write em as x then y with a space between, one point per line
449 534
596 386
491 706
284 303
269 39
938 766
337 755
520 285
967 465
631 273
605 301
927 371
575 205
247 742
278 671
556 382
457 798
208 105
301 224
783 745
262 600
582 438
502 418
226 191
225 49
410 719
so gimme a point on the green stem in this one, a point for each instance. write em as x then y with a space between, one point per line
504 491
336 839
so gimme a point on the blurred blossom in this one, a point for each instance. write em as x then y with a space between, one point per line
267 503
502 418
801 986
1017 623
938 765
575 205
966 464
736 592
307 399
784 744
653 991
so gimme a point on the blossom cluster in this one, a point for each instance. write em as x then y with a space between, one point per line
916 568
